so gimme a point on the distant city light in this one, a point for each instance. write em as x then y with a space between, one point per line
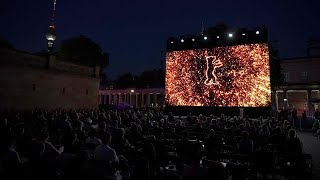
257 32
182 40
205 38
285 99
243 34
218 37
132 90
193 39
230 35
171 42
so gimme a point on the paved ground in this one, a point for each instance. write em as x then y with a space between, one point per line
311 145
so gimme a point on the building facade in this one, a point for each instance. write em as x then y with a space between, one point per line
29 81
135 97
301 89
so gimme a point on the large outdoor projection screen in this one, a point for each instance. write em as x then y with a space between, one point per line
232 76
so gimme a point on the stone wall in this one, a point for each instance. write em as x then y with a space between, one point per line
28 84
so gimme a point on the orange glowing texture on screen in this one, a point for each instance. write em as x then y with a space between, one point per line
232 76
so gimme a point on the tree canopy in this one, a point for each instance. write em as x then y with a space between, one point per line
276 76
82 50
5 44
147 79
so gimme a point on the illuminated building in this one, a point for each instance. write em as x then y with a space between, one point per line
301 82
137 97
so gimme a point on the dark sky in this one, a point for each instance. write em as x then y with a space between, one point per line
135 31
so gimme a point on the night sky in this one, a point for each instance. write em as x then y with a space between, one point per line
135 31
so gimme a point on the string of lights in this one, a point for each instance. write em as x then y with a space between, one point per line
214 37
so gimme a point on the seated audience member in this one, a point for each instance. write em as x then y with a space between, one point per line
102 129
135 134
50 150
39 167
213 144
277 139
316 126
11 161
293 144
92 141
82 168
194 170
120 143
71 143
245 145
79 130
104 152
264 131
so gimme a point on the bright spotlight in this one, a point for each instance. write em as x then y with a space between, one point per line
230 35
182 40
257 32
243 34
218 37
205 38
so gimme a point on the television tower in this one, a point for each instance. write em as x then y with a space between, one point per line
51 35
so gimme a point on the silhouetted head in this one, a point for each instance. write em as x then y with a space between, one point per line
291 133
106 138
245 135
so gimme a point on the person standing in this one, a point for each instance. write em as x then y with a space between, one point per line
304 117
316 114
294 116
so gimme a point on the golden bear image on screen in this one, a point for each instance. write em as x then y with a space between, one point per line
231 76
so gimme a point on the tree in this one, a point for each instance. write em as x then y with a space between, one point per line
147 79
126 81
82 50
276 76
5 44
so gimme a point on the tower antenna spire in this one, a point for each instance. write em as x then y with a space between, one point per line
51 34
202 28
53 16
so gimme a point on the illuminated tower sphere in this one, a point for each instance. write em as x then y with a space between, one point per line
51 37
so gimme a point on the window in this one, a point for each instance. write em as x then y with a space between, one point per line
286 76
304 75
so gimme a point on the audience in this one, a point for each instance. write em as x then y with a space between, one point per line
130 144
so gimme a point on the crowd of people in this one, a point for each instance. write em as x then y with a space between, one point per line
145 144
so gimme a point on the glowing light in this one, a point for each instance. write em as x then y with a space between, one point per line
205 37
182 40
132 90
171 42
218 37
230 35
243 34
193 40
257 32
